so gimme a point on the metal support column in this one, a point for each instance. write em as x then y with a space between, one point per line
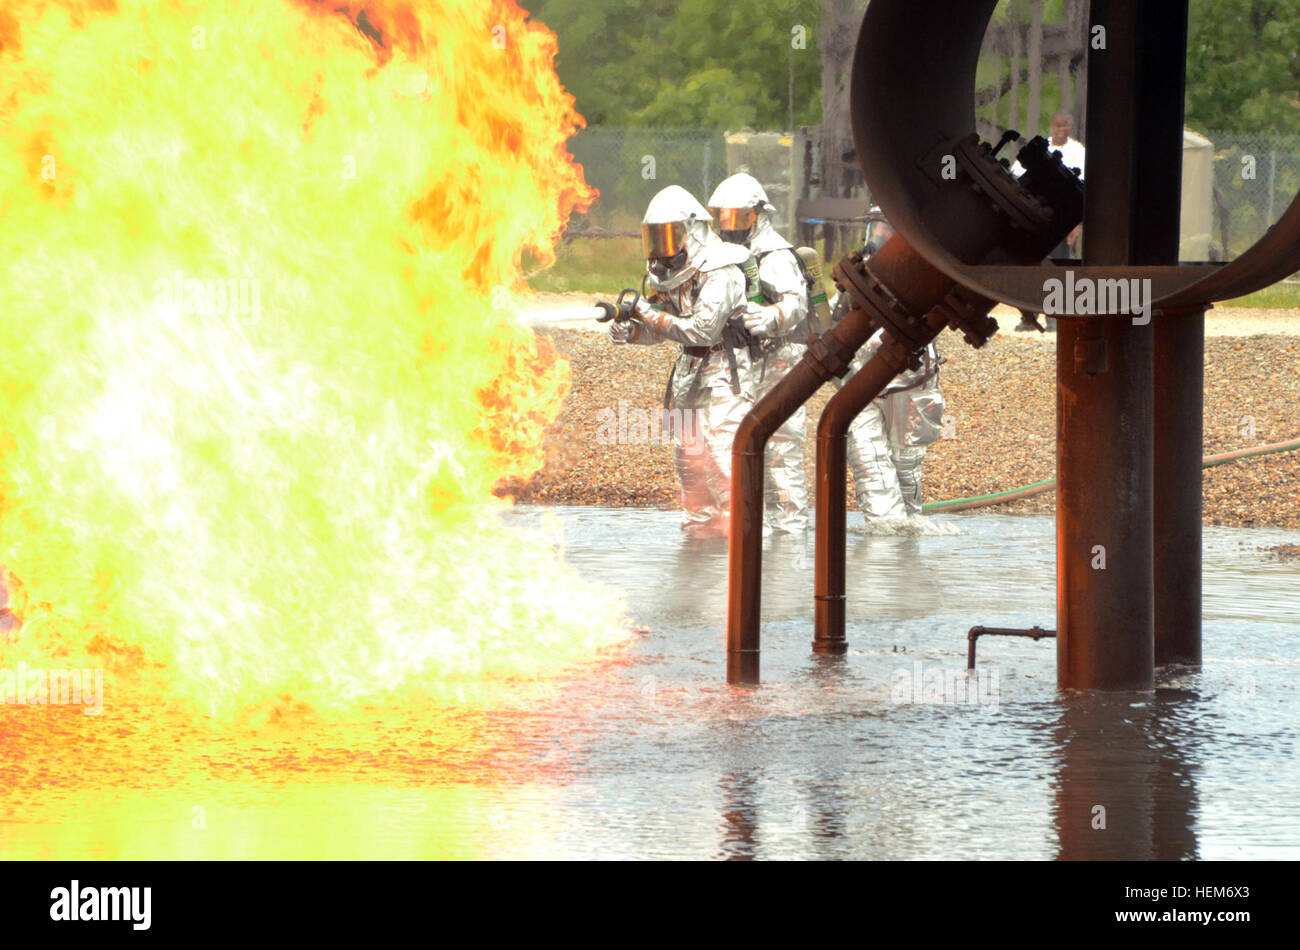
1104 597
1105 370
1179 352
1179 400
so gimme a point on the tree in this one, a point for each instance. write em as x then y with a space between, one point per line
1243 69
1033 63
692 63
840 175
605 52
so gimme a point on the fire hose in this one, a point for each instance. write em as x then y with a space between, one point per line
1037 488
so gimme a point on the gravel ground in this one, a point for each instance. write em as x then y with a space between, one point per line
1002 406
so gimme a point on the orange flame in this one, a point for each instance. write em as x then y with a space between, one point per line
255 259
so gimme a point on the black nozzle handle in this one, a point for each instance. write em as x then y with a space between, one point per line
621 309
627 310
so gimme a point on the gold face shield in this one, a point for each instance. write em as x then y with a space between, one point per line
663 241
733 219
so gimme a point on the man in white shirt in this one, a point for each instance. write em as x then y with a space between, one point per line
1072 156
1071 149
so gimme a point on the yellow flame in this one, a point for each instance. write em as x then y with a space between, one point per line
255 394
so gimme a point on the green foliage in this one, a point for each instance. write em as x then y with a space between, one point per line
614 161
1282 296
725 63
692 63
1243 70
995 66
596 266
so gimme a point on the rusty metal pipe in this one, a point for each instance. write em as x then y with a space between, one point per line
826 357
973 635
832 492
898 282
913 300
1125 511
1106 537
960 310
1178 416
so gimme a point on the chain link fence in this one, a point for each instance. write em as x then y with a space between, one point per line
630 165
1256 176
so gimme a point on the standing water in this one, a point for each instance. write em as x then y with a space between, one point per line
889 752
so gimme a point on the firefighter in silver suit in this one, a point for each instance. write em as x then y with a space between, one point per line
888 440
777 316
695 296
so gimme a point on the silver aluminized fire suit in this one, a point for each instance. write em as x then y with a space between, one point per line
777 316
711 386
887 441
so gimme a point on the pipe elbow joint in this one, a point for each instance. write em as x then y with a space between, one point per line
752 434
836 418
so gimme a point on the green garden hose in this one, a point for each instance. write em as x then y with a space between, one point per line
1037 488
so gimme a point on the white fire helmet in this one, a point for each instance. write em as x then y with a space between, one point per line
675 235
739 205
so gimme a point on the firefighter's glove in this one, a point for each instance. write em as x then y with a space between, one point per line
624 331
764 321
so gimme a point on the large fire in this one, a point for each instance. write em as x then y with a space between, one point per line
257 382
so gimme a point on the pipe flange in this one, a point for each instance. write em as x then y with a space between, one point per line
910 331
898 356
851 260
829 356
901 356
1008 197
873 296
902 323
854 277
968 314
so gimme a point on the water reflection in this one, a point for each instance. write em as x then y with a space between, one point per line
739 830
1125 787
